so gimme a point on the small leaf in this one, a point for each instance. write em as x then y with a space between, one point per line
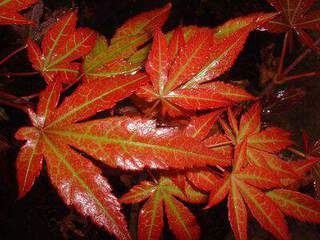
203 179
138 193
200 126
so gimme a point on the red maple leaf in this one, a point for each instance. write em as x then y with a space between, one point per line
295 16
126 52
9 11
180 69
162 194
61 46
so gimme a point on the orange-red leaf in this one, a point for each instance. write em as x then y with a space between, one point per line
94 97
81 184
123 55
204 179
200 126
219 192
238 215
138 193
136 143
272 162
29 160
270 140
151 218
240 156
250 121
194 65
297 205
264 210
157 65
258 177
61 45
181 221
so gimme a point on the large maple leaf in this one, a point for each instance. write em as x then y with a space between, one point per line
61 46
129 144
161 195
9 11
295 16
125 53
180 70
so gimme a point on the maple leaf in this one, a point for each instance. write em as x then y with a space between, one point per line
179 70
262 145
9 11
61 46
245 189
124 54
162 195
127 143
295 16
255 168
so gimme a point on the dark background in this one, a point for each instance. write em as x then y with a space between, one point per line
41 214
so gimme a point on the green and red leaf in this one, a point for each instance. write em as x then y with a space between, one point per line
297 205
61 45
123 55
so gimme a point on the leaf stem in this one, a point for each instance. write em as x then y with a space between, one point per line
293 77
15 105
8 75
13 53
297 152
300 58
151 175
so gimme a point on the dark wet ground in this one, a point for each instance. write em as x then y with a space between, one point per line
42 215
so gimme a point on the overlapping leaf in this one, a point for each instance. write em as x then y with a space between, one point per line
61 46
9 11
122 142
256 168
162 195
123 55
297 16
179 69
